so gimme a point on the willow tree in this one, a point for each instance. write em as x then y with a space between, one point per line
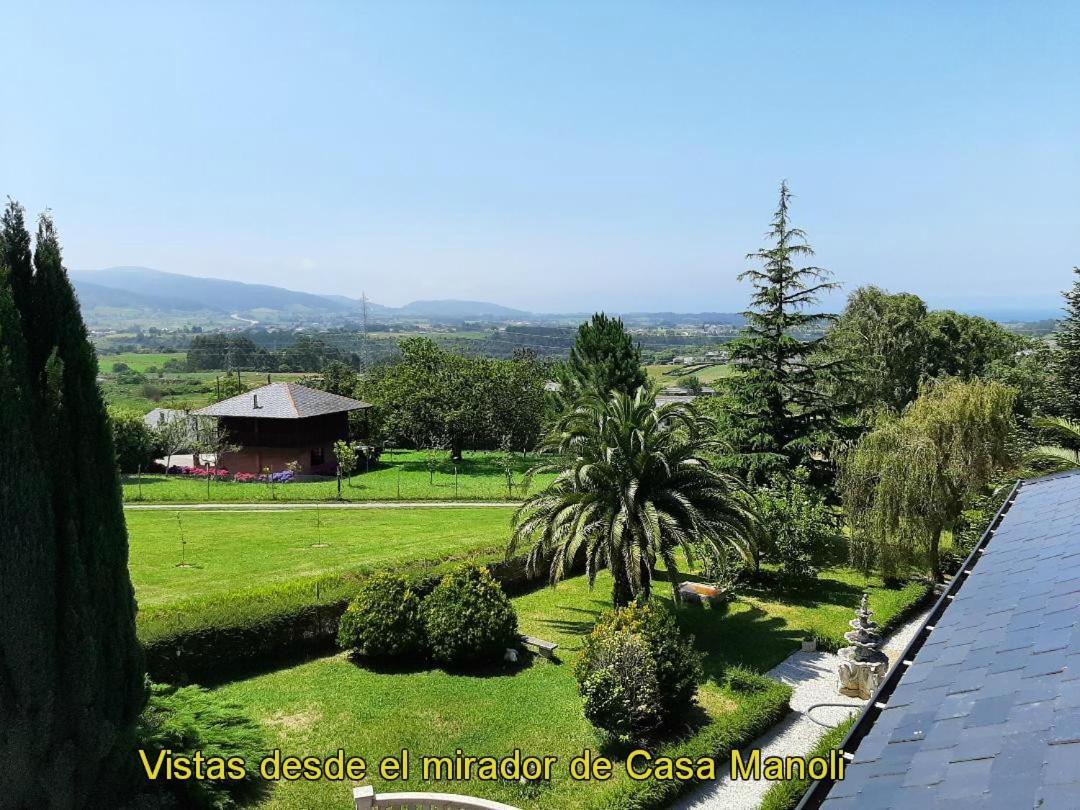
908 480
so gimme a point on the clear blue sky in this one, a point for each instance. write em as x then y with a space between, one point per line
552 155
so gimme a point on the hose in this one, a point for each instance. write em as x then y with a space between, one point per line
852 706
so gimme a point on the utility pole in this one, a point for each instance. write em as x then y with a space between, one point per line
364 359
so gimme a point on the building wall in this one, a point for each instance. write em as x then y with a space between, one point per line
256 459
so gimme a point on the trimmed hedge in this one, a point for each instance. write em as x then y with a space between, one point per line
786 795
213 638
383 621
758 711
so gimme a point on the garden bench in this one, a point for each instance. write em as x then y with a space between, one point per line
545 648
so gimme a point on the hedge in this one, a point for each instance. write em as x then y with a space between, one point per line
786 795
757 712
916 594
206 639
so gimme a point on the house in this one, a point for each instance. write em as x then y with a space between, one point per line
281 423
984 708
159 416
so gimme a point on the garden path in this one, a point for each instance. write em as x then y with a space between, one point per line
812 678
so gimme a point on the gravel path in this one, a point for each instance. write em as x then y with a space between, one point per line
262 506
812 677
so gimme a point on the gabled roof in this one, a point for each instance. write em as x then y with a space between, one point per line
984 710
282 401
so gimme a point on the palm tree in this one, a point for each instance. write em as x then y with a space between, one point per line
635 489
1065 455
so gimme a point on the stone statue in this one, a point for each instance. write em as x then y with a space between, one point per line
862 665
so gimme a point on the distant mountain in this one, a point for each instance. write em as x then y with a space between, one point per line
96 296
212 294
450 309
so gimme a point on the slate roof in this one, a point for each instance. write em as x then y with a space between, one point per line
282 401
988 713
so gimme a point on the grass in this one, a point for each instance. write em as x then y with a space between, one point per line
667 374
399 476
183 390
137 361
227 550
331 703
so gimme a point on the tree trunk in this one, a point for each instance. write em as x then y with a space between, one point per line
622 592
935 556
455 449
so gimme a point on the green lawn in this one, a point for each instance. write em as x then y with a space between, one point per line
228 551
400 476
320 706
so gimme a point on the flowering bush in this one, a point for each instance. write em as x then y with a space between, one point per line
283 477
245 478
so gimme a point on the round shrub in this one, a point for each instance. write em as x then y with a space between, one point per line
620 688
468 619
383 620
678 665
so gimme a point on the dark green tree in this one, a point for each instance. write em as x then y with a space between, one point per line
1068 342
69 659
964 346
781 410
603 359
882 336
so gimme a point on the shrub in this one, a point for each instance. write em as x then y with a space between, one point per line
132 440
186 720
383 621
799 523
468 619
677 665
620 687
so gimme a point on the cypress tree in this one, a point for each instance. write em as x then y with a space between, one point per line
93 671
1068 344
779 406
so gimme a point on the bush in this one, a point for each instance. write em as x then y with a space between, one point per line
468 619
620 687
132 439
675 662
383 621
799 523
186 720
746 681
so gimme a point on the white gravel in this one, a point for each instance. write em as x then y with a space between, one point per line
812 678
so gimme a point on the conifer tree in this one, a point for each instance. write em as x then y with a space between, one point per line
780 410
603 359
1068 344
91 668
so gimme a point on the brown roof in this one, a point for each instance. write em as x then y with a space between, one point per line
282 401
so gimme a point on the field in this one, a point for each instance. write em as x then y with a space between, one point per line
224 551
331 703
400 475
669 374
182 390
138 362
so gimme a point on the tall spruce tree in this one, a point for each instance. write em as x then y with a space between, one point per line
71 673
603 359
780 409
1068 344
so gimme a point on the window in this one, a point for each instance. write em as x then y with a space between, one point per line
318 456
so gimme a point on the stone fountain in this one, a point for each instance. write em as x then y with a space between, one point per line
862 665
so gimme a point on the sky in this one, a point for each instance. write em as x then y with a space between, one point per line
553 156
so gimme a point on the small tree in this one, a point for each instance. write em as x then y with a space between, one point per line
172 436
133 440
907 480
347 460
